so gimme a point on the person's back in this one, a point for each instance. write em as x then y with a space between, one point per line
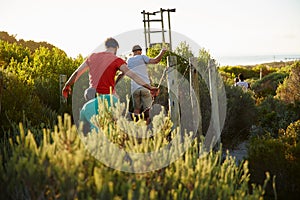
242 83
138 64
103 67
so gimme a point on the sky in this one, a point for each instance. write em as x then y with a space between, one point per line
223 27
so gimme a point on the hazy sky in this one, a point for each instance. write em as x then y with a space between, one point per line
224 27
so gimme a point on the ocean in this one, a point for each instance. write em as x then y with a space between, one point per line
253 60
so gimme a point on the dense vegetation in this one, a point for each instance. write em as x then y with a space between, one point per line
272 107
44 158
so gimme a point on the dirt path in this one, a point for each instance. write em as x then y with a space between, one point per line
239 152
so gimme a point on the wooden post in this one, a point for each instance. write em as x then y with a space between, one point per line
214 137
260 73
62 81
1 88
145 30
169 22
195 87
172 75
162 25
148 22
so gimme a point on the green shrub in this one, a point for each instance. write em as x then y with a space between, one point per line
280 157
268 84
14 51
274 115
47 66
30 83
240 116
235 70
289 90
18 100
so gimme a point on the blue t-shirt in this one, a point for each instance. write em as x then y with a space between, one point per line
138 64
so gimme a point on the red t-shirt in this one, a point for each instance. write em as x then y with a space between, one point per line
103 67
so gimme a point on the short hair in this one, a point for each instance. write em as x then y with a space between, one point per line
236 79
241 76
111 42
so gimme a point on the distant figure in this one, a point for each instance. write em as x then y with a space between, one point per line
242 83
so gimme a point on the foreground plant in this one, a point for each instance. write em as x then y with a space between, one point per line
63 167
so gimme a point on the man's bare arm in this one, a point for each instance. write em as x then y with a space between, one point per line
125 70
158 58
73 78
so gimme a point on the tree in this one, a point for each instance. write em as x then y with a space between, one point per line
30 82
184 50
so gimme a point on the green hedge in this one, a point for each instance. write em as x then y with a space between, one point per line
240 117
274 115
281 157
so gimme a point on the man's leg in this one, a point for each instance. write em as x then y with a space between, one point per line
137 101
147 103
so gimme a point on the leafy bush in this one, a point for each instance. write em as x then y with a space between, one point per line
281 158
14 51
274 115
268 84
30 82
18 100
240 116
31 45
235 70
46 68
289 90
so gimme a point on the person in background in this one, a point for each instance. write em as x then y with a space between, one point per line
242 83
142 99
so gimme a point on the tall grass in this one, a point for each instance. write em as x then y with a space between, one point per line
64 165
